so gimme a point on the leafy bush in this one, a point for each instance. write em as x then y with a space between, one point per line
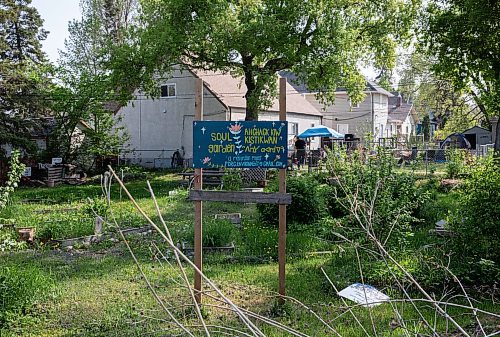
21 288
13 178
232 180
372 183
476 221
96 205
307 203
8 240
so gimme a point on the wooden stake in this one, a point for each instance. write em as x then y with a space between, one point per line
282 208
198 205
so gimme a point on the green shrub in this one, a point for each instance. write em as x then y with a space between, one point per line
8 240
476 223
232 181
96 206
21 288
307 203
372 184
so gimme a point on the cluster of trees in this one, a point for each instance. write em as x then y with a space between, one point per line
78 90
120 45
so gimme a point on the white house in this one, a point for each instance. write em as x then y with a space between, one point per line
402 119
368 117
158 127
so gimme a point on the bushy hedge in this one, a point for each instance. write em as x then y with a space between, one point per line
476 223
372 186
307 203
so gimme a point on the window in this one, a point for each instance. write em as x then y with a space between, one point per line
293 128
343 128
353 105
313 125
168 90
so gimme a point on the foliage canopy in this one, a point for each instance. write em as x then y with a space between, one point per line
324 41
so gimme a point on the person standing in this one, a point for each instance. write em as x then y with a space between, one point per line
300 151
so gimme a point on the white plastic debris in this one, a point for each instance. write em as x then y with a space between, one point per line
364 294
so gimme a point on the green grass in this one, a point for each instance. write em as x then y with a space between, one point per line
99 291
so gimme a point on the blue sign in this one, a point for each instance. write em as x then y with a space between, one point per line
240 144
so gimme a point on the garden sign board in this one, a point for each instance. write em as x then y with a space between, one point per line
248 144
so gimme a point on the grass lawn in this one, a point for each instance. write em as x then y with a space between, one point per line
99 292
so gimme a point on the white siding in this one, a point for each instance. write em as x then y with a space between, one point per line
157 127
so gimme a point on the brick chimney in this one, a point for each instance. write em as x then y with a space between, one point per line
399 101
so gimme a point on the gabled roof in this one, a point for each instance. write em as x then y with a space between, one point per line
399 113
398 109
475 127
301 87
231 92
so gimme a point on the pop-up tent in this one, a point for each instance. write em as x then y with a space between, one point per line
456 141
321 131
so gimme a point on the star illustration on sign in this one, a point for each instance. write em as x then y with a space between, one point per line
203 130
274 124
266 156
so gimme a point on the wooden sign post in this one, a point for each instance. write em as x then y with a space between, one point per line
198 205
249 144
282 207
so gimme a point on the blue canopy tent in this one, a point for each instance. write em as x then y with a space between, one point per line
318 131
321 131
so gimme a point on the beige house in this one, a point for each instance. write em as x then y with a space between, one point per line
158 127
368 117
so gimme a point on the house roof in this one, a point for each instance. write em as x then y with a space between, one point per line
301 87
471 130
231 92
398 109
399 113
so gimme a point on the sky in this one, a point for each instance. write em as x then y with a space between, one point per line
56 15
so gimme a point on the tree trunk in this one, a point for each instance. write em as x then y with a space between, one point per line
252 102
496 132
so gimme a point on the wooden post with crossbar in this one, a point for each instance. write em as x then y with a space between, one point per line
198 205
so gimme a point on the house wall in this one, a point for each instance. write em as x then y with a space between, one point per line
157 127
408 127
380 114
483 136
369 116
302 121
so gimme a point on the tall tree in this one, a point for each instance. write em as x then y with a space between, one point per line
454 108
22 71
322 41
465 35
87 92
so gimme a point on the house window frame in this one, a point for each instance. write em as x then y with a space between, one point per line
168 85
338 127
353 106
293 128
